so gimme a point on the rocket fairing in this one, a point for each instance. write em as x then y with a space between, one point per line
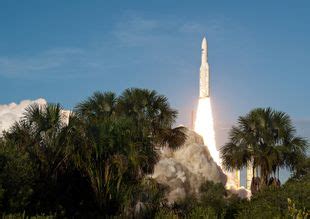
204 79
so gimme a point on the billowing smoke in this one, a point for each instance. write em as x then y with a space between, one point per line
11 113
185 169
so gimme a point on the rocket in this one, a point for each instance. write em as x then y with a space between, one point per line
204 79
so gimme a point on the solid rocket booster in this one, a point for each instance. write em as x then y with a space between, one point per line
204 80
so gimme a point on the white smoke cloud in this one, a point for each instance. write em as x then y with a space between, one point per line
11 113
185 169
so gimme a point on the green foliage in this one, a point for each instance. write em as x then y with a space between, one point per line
202 212
150 195
298 190
233 206
165 213
268 139
41 135
212 195
302 168
268 205
184 207
23 216
17 177
297 213
272 202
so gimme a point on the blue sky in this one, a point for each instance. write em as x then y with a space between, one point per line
63 51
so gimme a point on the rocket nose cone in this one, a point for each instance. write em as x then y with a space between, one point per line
204 43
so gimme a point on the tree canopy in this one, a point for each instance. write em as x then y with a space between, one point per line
265 139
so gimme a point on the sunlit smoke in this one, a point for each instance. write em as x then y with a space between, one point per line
183 171
204 126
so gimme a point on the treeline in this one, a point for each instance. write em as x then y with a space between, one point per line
93 164
96 163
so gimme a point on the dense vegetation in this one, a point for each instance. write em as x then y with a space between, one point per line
96 163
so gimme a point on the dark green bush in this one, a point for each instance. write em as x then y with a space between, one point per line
17 178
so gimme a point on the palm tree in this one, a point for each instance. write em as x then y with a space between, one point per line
266 138
152 112
116 139
97 106
104 158
42 134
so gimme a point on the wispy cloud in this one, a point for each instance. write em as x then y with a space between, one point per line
135 30
38 63
191 28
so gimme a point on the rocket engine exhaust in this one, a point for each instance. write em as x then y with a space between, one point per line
204 126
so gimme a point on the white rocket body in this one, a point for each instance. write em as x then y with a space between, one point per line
204 81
